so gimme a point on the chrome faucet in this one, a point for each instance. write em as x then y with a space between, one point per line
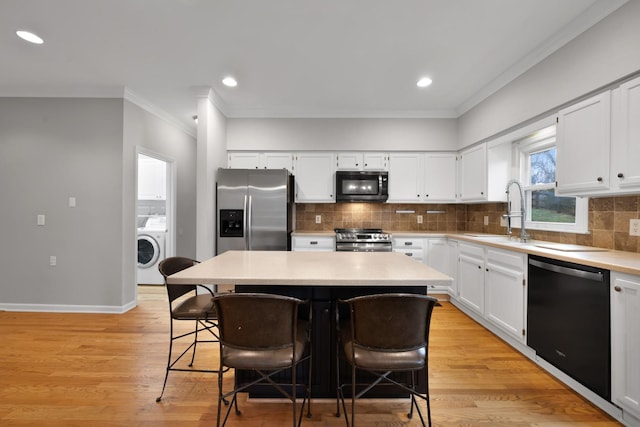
516 214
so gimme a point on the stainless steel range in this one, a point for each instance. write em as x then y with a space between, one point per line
362 240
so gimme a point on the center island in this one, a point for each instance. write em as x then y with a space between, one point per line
323 278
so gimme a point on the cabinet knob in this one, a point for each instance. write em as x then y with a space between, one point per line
479 267
620 175
617 289
487 269
600 179
426 195
366 164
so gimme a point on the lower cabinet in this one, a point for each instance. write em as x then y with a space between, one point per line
504 291
471 277
625 342
310 242
491 283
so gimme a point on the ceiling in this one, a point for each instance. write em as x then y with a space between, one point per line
292 58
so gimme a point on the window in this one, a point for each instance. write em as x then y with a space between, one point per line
545 211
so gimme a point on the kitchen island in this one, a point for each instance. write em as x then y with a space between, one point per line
323 278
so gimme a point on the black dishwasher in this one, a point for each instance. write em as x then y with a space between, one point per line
568 320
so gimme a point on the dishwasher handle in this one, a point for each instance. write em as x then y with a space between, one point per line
598 277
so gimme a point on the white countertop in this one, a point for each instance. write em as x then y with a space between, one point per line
621 261
311 269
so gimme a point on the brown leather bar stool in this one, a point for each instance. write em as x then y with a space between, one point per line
262 333
385 333
185 304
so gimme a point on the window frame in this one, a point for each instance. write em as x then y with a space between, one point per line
533 142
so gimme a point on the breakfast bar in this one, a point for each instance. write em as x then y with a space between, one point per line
322 278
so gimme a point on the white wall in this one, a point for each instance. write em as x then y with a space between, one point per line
342 134
601 55
50 150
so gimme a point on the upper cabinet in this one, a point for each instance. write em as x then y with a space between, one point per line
625 144
440 177
483 172
249 160
473 174
152 179
362 161
314 180
422 177
406 177
583 146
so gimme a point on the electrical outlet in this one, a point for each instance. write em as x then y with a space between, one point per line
419 219
634 227
503 222
486 220
318 219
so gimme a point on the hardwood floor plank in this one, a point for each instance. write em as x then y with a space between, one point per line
107 370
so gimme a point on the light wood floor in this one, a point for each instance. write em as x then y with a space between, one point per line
107 370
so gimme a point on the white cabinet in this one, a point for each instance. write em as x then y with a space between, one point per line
362 161
273 160
625 144
406 177
583 146
439 253
625 342
311 242
504 298
410 246
440 177
483 172
152 179
471 276
491 283
472 182
314 174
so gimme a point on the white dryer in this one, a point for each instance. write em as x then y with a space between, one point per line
151 250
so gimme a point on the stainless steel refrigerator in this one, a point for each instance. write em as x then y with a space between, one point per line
254 210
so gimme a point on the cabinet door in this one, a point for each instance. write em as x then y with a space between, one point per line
315 177
626 160
375 162
440 177
349 161
473 174
243 161
405 177
277 161
583 146
625 342
504 291
471 280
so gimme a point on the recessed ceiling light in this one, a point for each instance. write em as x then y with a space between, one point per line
229 81
424 82
30 37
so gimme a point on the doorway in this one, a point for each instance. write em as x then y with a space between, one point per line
154 215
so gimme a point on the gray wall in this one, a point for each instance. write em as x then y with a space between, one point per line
342 134
601 55
52 149
143 129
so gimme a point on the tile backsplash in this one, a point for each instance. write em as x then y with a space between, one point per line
608 220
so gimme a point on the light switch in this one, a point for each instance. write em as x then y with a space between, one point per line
40 219
72 202
53 261
486 220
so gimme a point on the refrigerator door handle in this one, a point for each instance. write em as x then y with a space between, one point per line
249 224
245 222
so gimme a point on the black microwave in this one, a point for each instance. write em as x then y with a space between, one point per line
364 186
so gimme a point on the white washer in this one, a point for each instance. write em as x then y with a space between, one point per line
151 250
